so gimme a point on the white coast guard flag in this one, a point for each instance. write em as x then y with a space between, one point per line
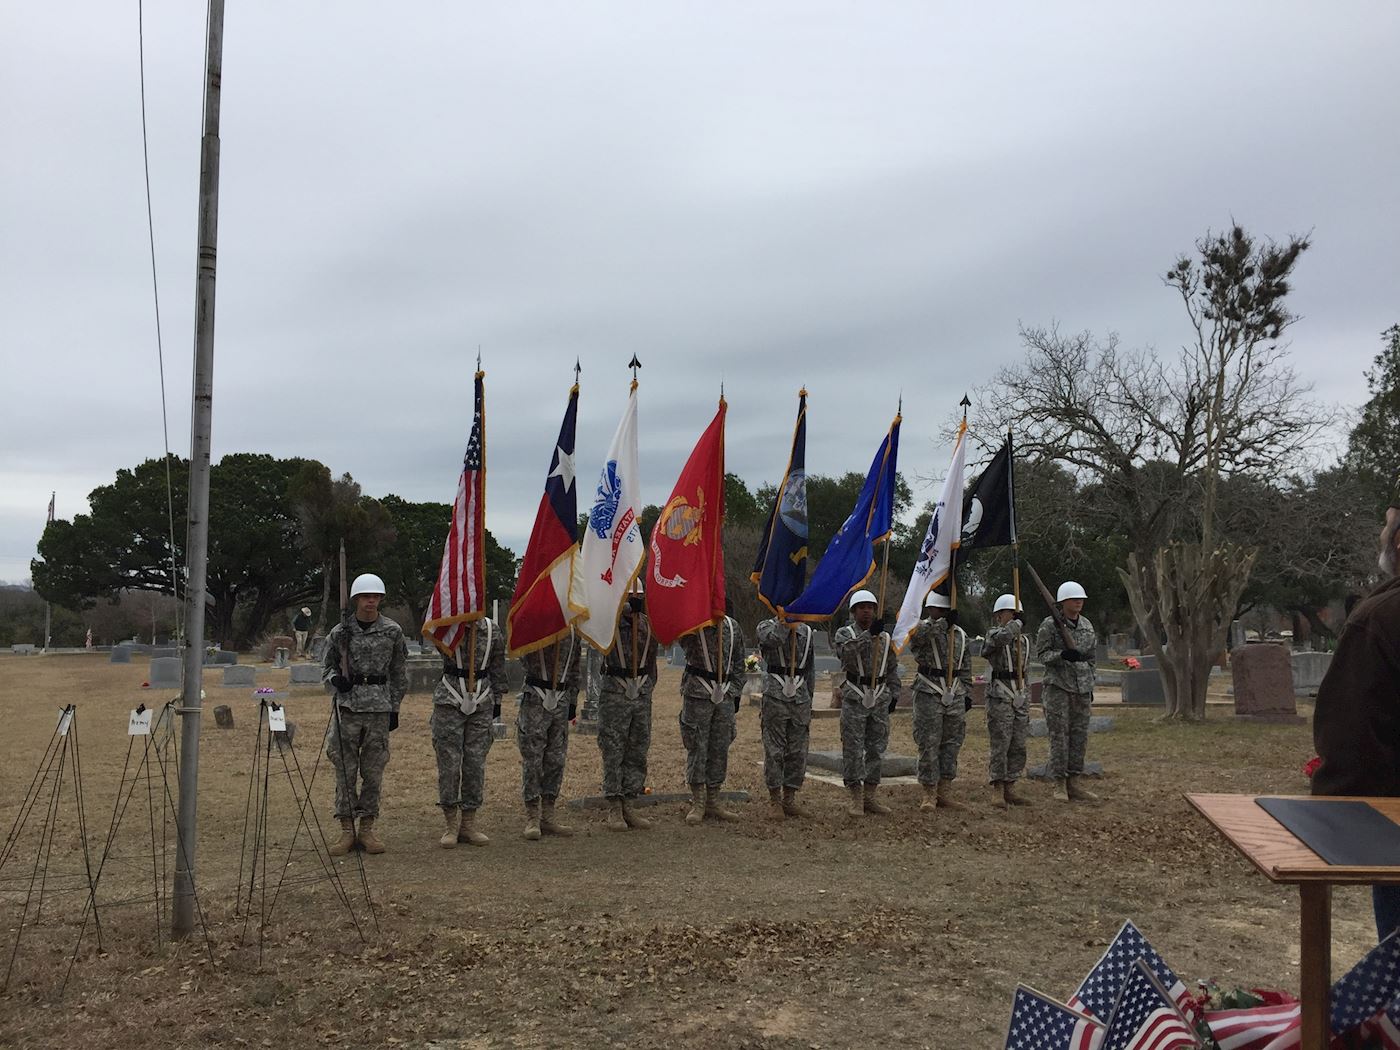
941 539
612 549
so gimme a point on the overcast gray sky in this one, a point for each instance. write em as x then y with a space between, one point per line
862 197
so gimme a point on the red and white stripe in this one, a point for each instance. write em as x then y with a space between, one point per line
1257 1027
1164 1030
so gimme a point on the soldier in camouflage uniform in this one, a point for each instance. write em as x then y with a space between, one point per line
624 713
786 714
1068 691
365 669
710 690
547 706
1007 650
466 701
940 709
868 695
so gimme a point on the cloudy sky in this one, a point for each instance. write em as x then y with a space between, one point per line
865 198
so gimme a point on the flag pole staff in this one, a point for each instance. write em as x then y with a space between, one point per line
953 565
884 568
1015 555
471 628
197 518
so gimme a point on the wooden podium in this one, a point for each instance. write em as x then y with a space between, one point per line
1281 857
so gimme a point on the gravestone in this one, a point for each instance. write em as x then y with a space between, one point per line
1147 662
1097 724
890 765
165 673
223 716
975 646
121 654
1263 684
1101 652
163 653
240 676
1237 640
318 648
22 648
1144 688
304 674
275 642
1120 643
1308 671
280 658
423 675
677 656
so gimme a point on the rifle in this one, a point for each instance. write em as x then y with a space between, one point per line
1055 613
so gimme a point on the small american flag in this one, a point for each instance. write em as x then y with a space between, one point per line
1368 988
1145 1017
52 496
1098 992
1256 1027
460 594
1384 1029
1040 1023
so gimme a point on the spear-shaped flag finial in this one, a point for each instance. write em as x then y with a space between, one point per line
966 404
578 368
634 364
478 357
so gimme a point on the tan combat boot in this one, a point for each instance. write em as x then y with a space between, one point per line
346 842
775 804
930 799
616 820
999 796
791 806
715 810
369 841
449 834
549 825
945 796
634 819
696 813
532 821
1061 790
466 830
873 804
1079 793
856 807
1008 792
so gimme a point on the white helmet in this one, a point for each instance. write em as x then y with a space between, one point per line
1069 589
862 597
1006 602
367 583
937 601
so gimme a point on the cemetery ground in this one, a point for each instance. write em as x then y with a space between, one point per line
908 930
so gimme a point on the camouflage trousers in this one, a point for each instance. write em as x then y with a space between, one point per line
1008 719
1067 719
940 725
707 730
543 739
865 733
461 743
624 737
357 743
787 726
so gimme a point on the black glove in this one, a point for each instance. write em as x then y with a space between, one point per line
573 710
952 617
496 710
967 703
878 626
393 720
736 705
894 702
341 683
1073 656
1020 618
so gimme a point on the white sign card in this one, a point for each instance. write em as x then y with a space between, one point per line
65 720
276 718
140 722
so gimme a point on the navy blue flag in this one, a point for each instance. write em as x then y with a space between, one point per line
850 556
780 569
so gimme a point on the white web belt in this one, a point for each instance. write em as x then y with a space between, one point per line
467 701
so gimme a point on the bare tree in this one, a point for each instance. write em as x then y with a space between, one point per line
1156 436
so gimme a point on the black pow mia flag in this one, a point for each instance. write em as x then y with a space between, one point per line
989 511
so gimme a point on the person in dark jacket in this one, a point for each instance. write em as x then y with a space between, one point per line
1356 724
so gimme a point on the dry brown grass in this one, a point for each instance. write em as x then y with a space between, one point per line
908 930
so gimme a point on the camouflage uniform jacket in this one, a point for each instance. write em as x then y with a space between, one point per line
1059 672
859 650
1007 650
552 673
928 644
487 658
710 652
620 673
790 671
377 653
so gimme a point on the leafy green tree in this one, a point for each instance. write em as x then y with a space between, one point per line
1373 449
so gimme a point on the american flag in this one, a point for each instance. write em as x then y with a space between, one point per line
1040 1023
1369 988
52 496
1257 1027
1098 992
1145 1017
460 594
1384 1029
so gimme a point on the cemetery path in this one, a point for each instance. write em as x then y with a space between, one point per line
910 930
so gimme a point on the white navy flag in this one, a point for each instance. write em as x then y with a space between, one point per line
941 539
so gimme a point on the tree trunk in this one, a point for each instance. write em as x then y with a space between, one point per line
1187 597
325 598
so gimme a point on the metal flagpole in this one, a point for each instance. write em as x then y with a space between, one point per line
1015 552
953 566
48 607
197 522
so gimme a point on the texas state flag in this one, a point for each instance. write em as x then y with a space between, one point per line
539 611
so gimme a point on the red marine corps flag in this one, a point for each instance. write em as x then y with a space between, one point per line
460 594
685 579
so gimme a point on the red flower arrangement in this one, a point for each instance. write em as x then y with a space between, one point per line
1132 663
1310 766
